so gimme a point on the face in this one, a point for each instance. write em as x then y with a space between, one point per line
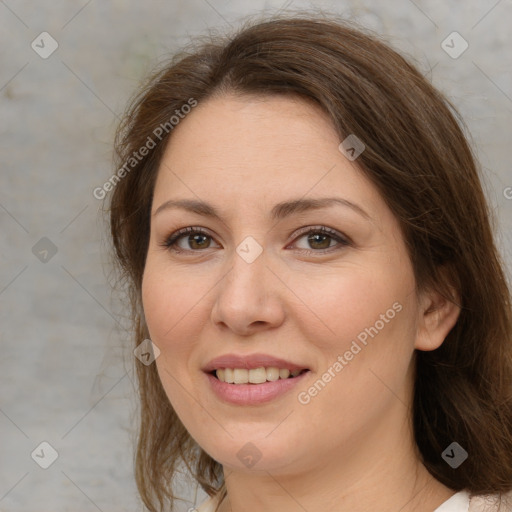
328 291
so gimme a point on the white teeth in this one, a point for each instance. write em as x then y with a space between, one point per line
272 374
284 374
257 375
228 376
254 376
241 375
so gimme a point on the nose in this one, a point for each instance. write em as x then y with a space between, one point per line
249 297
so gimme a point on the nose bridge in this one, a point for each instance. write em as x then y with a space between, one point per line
248 270
246 295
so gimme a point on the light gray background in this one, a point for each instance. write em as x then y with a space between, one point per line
65 368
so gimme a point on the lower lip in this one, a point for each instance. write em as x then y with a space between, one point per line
253 394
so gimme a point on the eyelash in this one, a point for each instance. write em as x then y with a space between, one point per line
170 242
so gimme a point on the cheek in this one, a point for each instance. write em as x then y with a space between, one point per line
166 317
153 298
348 303
362 327
166 302
369 342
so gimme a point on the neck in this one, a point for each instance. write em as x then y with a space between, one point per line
383 473
278 494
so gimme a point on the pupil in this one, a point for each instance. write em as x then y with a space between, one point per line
194 238
325 237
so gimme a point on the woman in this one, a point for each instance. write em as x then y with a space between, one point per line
308 248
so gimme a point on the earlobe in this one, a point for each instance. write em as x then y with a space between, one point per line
437 316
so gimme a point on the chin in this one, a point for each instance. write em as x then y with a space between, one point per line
255 453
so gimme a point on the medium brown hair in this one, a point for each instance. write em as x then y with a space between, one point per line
420 161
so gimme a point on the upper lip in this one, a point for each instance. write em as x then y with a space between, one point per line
250 362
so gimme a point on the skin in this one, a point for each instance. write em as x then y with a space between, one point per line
351 448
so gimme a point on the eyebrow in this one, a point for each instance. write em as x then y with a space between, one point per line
279 211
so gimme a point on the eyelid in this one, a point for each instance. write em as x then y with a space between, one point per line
170 241
334 233
172 238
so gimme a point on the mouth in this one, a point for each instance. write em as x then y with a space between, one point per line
254 386
255 376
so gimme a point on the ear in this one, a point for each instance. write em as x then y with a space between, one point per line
437 316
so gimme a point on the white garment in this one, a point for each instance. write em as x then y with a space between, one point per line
459 502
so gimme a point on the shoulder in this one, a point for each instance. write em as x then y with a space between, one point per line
478 503
209 505
491 503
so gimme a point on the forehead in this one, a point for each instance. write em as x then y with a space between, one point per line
262 127
249 150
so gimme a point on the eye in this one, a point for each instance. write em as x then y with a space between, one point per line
196 237
320 238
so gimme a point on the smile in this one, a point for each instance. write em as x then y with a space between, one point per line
245 393
256 375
